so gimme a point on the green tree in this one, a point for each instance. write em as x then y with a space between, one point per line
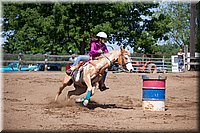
36 28
167 49
64 27
137 26
198 27
179 15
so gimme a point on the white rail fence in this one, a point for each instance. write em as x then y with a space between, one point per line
148 64
140 63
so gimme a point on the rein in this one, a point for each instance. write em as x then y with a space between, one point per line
98 70
108 59
121 61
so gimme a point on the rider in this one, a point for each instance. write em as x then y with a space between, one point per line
97 47
181 55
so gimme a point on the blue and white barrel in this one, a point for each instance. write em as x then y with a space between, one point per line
153 93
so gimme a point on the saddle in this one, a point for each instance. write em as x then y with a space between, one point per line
77 76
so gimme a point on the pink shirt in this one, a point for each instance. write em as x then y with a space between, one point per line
95 46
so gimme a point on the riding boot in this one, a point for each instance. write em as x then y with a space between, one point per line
102 87
70 71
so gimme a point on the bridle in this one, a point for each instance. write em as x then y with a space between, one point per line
107 59
122 59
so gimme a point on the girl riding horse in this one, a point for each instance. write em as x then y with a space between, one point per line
92 73
97 47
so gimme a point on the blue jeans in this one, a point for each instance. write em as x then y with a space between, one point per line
81 58
104 75
180 65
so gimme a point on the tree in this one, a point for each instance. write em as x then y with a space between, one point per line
192 29
168 49
179 15
137 26
64 27
198 27
36 28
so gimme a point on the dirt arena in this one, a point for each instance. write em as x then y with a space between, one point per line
28 101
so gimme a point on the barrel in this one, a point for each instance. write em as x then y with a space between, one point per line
153 93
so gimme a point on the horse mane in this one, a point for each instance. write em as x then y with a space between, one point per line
102 56
111 52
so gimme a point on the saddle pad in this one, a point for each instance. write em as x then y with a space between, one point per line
78 75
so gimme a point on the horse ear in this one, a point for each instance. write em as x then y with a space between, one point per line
121 47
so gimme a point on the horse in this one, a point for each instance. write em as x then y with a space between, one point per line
88 75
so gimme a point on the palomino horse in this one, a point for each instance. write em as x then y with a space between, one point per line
88 75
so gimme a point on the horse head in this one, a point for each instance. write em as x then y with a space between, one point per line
124 59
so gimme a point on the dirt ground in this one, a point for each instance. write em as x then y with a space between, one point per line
28 101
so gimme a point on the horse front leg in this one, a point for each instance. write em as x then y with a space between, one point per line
67 81
90 89
81 99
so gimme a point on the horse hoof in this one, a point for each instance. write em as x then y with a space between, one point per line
85 102
79 100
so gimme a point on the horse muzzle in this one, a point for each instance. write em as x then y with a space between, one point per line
129 67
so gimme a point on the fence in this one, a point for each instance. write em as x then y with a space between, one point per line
26 59
141 62
147 64
192 63
64 60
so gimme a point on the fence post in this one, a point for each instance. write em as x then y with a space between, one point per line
20 58
163 66
143 55
186 63
45 62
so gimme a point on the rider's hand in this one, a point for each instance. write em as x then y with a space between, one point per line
100 51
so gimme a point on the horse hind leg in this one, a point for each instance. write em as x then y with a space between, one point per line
78 91
67 81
